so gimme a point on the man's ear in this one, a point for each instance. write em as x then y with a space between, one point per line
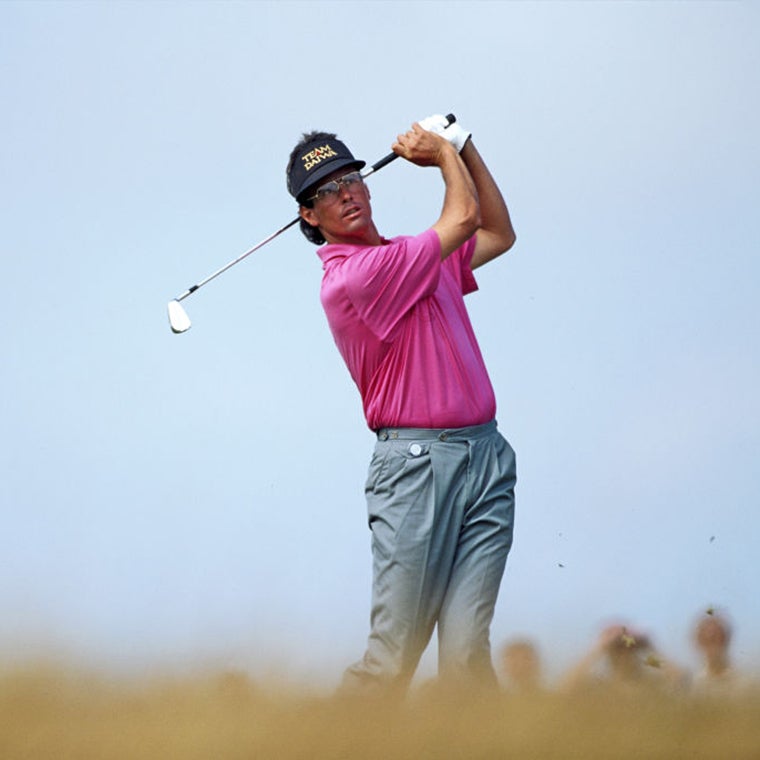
308 215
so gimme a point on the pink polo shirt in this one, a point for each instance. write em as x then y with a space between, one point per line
398 317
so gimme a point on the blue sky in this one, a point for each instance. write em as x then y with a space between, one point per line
169 500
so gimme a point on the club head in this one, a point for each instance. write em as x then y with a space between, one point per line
178 319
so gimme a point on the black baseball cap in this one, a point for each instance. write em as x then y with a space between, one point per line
317 159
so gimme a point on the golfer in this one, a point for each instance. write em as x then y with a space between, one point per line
440 488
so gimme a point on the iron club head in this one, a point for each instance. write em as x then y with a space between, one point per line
178 319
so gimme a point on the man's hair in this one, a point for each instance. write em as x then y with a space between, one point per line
312 234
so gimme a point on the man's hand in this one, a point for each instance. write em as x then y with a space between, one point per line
453 133
421 147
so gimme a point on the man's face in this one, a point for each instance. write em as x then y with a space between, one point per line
345 216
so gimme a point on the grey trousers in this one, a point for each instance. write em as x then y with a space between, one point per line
441 512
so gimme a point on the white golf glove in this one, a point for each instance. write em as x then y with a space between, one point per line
453 133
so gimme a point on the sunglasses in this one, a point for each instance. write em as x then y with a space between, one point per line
331 190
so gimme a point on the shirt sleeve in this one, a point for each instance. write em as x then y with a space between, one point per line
385 282
460 266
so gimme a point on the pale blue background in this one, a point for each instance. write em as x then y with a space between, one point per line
172 500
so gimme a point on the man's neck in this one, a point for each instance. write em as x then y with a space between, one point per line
368 237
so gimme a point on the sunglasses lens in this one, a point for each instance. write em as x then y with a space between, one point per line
328 190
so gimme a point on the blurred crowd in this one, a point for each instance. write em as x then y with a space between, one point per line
625 660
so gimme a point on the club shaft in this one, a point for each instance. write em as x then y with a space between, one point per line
232 263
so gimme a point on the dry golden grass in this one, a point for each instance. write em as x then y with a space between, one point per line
52 713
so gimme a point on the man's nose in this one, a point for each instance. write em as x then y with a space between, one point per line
344 189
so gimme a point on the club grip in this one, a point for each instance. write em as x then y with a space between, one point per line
383 162
450 118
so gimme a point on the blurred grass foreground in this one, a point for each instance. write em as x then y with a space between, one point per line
52 712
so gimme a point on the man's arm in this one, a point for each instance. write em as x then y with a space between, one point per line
495 234
460 216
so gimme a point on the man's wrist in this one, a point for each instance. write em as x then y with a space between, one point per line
447 153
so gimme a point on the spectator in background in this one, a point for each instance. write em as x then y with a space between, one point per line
624 661
712 638
520 667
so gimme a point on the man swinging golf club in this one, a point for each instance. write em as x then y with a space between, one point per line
440 488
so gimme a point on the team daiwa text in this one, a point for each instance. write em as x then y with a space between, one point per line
312 158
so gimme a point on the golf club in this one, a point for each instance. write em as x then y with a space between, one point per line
178 319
